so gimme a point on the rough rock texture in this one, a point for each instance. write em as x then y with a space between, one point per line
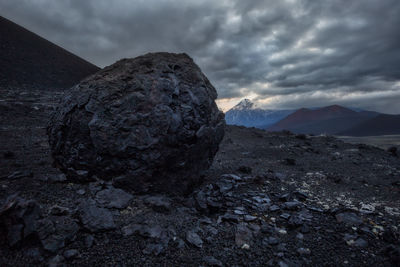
150 123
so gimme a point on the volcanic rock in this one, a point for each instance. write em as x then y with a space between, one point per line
159 203
194 239
113 198
94 218
19 219
150 123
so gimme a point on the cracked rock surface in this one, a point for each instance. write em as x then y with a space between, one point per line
149 123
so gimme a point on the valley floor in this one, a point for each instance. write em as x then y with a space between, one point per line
383 141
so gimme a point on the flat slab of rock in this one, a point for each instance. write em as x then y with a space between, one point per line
349 218
113 198
95 219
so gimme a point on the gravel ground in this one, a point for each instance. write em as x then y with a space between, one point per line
269 199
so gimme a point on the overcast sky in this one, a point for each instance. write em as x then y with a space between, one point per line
280 53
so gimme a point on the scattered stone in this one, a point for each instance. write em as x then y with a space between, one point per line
233 177
285 216
153 231
152 119
282 231
81 192
367 208
34 254
250 218
71 254
262 200
113 198
194 239
295 221
19 174
19 217
228 217
59 178
305 229
95 219
56 232
95 187
361 243
274 208
243 235
348 218
211 261
89 240
300 236
212 230
304 251
56 261
159 203
155 249
58 210
284 197
272 241
205 220
293 205
300 195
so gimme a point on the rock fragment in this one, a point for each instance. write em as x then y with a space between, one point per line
95 219
348 218
159 203
113 198
194 239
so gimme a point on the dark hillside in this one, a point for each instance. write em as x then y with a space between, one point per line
383 124
29 61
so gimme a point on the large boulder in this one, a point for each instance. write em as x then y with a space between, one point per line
148 123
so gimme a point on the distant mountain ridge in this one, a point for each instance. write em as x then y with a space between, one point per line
327 120
332 120
30 61
246 113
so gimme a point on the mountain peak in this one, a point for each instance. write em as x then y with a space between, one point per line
244 105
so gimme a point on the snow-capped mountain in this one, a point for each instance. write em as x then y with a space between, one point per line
246 113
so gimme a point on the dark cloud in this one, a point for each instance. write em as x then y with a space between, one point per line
286 53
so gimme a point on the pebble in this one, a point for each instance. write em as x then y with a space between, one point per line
81 192
274 208
300 236
304 251
285 216
89 240
194 239
249 218
71 253
159 203
273 241
211 261
361 243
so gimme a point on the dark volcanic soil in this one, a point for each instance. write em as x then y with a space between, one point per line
269 199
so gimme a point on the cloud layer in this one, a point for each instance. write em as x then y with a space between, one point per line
283 54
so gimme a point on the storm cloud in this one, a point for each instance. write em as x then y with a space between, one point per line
282 54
